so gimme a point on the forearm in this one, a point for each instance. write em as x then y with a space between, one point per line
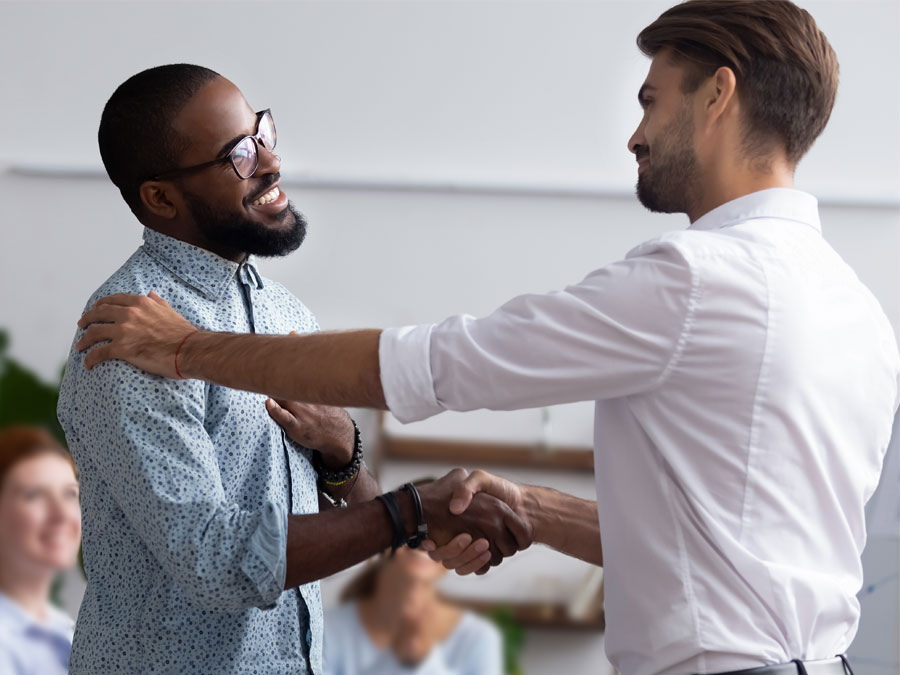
338 368
564 523
319 545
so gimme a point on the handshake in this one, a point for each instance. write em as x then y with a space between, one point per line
475 520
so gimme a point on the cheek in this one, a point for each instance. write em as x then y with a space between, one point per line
22 522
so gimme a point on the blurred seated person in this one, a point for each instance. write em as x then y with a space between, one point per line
393 622
40 530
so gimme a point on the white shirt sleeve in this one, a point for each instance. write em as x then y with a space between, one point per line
616 333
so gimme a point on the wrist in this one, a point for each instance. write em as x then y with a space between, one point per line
339 454
332 471
185 354
536 512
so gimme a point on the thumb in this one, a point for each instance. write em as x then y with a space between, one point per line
277 413
478 481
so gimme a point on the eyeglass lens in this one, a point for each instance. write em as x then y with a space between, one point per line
245 153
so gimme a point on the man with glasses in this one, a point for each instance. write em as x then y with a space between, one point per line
744 380
199 512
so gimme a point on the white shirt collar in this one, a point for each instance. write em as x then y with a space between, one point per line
779 203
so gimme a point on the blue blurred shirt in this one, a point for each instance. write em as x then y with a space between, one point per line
32 647
185 490
473 648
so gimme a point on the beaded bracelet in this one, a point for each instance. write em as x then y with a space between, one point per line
343 475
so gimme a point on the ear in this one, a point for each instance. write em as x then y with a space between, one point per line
718 94
157 198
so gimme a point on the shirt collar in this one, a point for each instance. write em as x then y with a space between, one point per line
13 616
775 203
204 270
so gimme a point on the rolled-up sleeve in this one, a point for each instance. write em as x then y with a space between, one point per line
144 438
616 333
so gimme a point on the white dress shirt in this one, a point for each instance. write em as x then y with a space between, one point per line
745 382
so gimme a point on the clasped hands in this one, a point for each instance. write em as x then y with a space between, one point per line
474 520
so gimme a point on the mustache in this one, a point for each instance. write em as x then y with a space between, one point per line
266 183
641 151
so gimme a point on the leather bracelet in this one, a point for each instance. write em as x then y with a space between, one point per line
343 475
421 526
389 499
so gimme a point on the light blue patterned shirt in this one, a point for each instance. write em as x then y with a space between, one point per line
185 491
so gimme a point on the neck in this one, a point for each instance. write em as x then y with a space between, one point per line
189 235
723 184
29 591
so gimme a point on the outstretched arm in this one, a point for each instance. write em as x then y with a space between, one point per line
319 545
558 520
338 368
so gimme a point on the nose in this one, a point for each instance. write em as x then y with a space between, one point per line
269 162
637 138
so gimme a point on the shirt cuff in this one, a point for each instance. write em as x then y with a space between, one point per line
265 562
405 360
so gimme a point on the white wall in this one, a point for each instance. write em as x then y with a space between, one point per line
525 96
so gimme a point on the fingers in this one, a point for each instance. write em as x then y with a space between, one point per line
96 332
451 549
521 530
460 553
126 299
283 417
153 295
471 558
478 481
98 355
103 314
480 562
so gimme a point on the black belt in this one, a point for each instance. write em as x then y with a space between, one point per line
836 666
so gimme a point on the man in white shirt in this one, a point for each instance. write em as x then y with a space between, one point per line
745 380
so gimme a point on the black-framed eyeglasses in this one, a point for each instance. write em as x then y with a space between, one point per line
244 156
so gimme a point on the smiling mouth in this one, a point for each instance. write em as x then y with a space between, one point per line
267 197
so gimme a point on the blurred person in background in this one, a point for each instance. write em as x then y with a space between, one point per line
40 531
393 621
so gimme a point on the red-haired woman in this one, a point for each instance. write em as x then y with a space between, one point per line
40 530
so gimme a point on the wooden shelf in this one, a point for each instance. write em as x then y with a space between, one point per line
536 615
481 454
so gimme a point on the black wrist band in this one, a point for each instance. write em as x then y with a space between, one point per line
421 526
389 499
344 474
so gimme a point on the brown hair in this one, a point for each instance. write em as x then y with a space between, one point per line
23 442
786 71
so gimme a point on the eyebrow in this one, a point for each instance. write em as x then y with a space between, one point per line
234 141
644 88
229 145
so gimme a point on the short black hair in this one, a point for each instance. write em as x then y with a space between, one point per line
136 136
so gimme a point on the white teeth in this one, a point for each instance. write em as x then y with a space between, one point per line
270 196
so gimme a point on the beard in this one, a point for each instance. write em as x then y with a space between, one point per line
669 183
230 230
